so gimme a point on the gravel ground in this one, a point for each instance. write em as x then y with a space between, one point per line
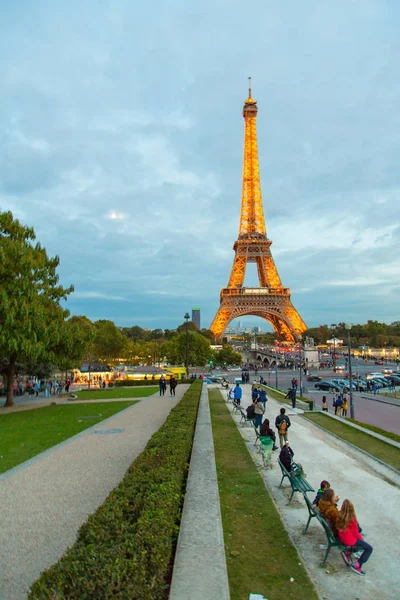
44 503
371 487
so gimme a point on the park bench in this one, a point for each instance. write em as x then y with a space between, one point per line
244 418
332 540
296 480
311 511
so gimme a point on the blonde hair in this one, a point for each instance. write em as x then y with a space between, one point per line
346 515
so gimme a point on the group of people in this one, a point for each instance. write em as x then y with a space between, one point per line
340 403
163 385
344 525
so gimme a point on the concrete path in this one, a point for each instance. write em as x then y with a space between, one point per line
45 500
352 475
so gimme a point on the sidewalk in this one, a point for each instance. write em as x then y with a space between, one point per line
352 475
45 501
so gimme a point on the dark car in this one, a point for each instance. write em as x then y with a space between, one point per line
314 378
328 386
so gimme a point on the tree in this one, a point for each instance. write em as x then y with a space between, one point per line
227 356
199 349
31 317
109 342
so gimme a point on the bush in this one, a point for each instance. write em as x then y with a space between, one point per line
133 382
125 549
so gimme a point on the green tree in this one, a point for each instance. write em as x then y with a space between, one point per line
109 342
31 317
199 349
227 356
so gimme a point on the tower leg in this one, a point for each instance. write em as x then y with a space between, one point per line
221 320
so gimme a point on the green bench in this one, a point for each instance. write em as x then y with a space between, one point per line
311 511
332 540
297 481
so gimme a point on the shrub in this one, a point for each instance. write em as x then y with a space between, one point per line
125 549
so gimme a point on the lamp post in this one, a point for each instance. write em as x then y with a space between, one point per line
333 326
276 367
348 327
300 373
187 317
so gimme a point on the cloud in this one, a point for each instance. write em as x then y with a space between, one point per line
121 142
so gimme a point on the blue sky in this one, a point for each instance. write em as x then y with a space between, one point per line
122 139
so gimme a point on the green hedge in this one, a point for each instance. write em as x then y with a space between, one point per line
149 381
125 549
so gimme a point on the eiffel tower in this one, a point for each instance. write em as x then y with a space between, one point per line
270 300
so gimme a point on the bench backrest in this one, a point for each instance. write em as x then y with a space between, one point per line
326 526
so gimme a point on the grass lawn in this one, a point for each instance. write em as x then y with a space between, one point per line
260 556
388 434
389 454
119 392
27 433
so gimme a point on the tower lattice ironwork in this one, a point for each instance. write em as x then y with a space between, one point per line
270 300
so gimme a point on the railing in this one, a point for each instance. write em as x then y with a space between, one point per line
260 291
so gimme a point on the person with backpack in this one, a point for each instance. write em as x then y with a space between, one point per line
282 423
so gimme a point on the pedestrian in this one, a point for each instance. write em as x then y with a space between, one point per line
67 385
172 385
266 431
339 405
286 456
282 424
237 394
291 394
374 388
161 384
349 534
37 388
334 403
263 397
258 411
325 404
345 407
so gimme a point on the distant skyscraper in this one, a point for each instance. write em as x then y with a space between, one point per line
196 317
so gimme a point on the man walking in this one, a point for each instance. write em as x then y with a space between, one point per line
172 385
237 394
282 423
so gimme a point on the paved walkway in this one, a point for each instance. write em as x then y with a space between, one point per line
45 501
352 475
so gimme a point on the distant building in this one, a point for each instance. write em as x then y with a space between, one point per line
196 317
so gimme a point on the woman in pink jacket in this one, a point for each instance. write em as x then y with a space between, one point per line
349 534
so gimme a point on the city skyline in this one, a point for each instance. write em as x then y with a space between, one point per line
122 145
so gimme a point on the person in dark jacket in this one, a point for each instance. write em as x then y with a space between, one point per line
172 385
285 456
266 431
250 411
282 423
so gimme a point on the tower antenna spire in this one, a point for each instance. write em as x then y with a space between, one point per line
249 87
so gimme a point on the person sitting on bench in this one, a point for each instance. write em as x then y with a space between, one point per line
324 486
266 431
286 456
349 534
327 507
250 411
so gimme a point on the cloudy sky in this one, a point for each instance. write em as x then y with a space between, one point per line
121 142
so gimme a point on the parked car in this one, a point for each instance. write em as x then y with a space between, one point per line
379 362
344 384
314 378
328 386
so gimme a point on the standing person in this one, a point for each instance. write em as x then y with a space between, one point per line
345 407
286 455
37 388
282 423
67 385
263 397
324 404
161 383
172 385
334 403
291 394
374 388
349 534
258 411
339 406
237 394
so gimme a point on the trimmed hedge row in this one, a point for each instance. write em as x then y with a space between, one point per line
134 382
126 548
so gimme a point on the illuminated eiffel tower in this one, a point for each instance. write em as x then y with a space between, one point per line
270 300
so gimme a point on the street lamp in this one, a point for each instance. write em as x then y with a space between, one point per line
333 327
348 327
276 367
300 340
187 317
